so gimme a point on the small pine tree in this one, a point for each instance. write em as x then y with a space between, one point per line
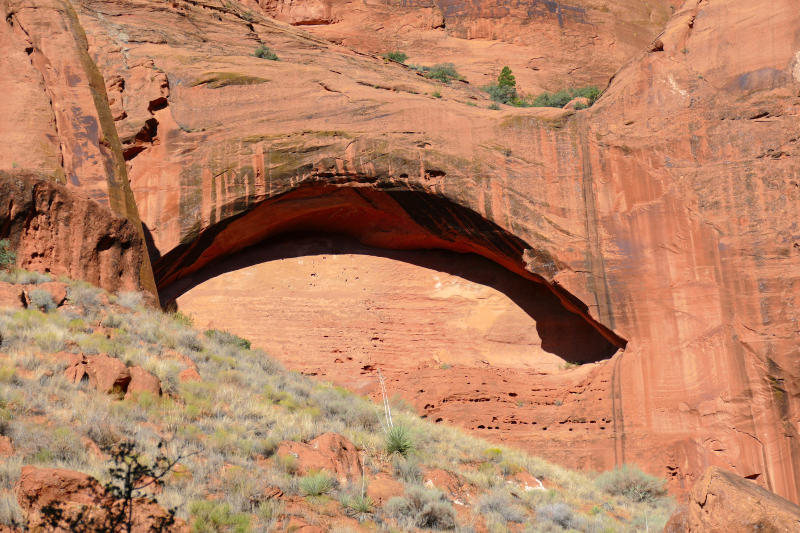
506 79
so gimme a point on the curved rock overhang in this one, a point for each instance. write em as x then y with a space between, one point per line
398 216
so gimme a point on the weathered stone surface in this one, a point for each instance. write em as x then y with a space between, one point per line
84 505
104 373
663 216
188 375
331 452
383 488
142 381
722 502
53 229
11 295
6 447
56 120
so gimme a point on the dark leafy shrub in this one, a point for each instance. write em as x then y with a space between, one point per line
493 106
263 52
631 483
443 72
398 56
501 93
565 96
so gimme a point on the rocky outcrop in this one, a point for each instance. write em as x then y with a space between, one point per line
109 374
67 501
331 452
58 127
722 502
53 229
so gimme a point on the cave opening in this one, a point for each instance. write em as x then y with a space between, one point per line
349 277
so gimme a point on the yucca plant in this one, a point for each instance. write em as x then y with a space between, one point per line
359 506
316 484
399 440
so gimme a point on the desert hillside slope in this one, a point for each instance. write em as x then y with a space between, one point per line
662 219
84 372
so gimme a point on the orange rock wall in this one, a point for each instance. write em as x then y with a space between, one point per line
56 119
664 216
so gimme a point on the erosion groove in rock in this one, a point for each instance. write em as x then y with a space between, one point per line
75 141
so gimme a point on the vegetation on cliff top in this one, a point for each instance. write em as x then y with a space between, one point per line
237 416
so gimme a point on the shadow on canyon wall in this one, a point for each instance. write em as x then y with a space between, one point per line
562 332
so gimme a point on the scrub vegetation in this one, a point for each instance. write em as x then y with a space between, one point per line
237 416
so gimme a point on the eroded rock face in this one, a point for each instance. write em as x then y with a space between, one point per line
53 228
67 501
57 126
722 502
330 451
664 216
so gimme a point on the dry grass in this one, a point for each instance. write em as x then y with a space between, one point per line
246 404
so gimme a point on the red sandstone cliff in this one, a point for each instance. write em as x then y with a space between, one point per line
662 219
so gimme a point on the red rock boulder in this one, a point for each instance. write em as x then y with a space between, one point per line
63 500
383 488
142 381
11 295
6 448
722 502
108 374
331 452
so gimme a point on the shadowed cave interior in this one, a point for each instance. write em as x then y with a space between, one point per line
314 300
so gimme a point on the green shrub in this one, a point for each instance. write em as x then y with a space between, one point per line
437 93
8 258
42 299
262 52
565 96
316 484
224 337
213 517
399 440
493 106
631 483
443 72
358 506
398 56
503 94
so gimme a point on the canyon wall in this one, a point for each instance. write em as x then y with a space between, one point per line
663 218
57 129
